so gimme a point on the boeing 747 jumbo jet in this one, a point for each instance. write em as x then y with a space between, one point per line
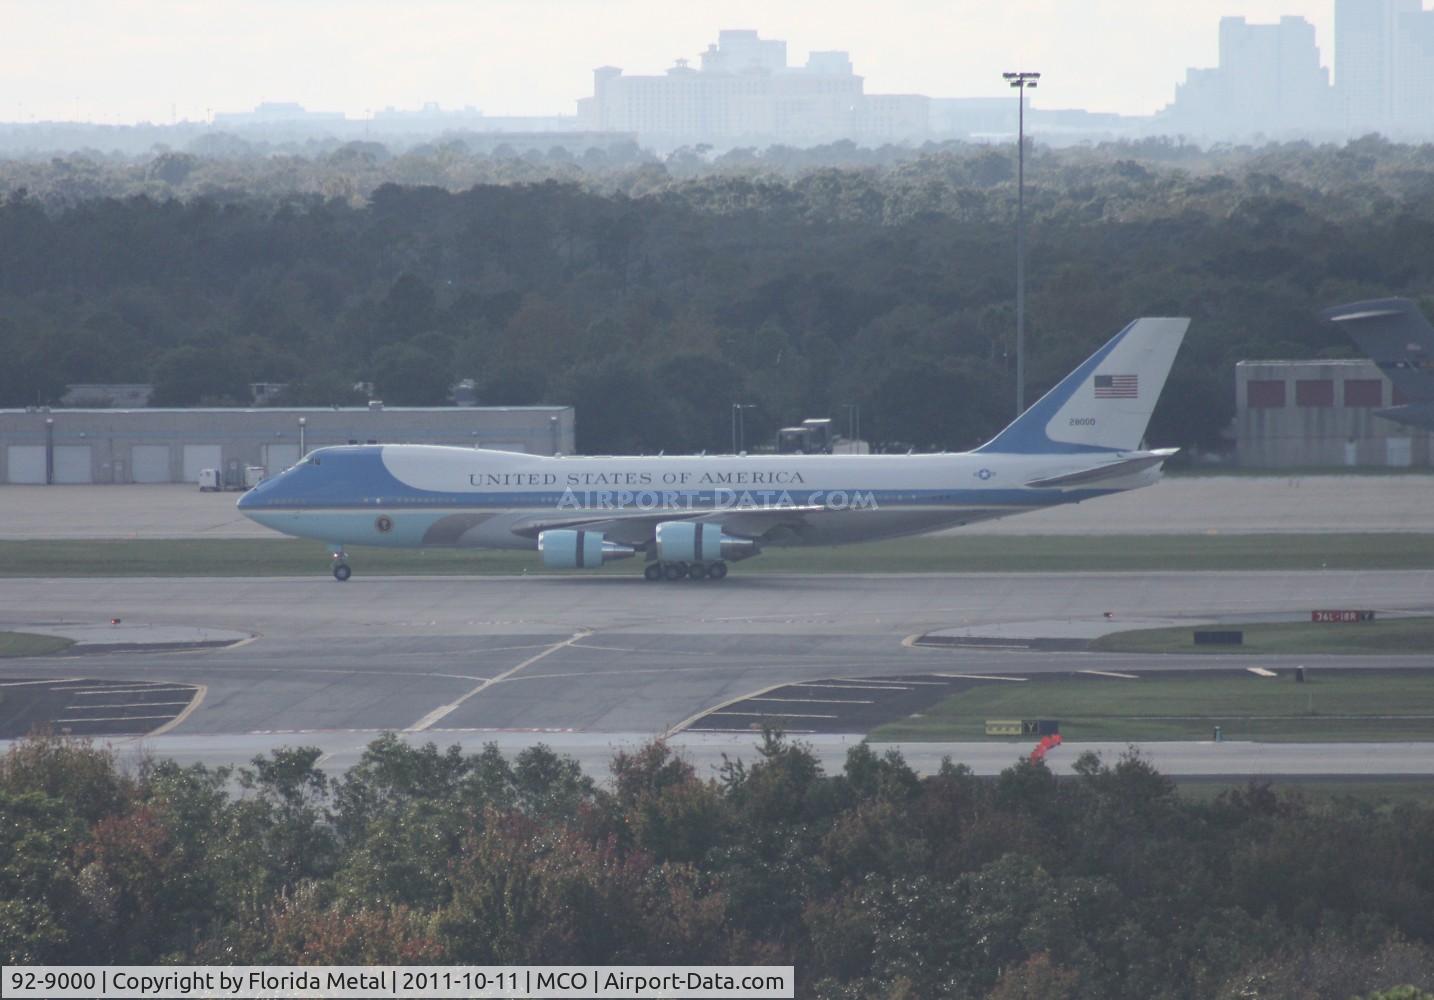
692 515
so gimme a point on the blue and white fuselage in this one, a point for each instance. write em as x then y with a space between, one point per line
1080 441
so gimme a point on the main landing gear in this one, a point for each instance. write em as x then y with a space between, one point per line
341 567
684 571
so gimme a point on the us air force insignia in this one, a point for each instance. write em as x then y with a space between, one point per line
984 474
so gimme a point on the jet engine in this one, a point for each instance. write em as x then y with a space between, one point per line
695 542
566 549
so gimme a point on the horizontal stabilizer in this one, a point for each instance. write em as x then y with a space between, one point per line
1397 338
1115 470
1409 414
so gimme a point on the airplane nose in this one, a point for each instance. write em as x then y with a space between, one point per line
255 498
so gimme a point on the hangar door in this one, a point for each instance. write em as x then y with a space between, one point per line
72 464
149 463
27 463
1399 452
278 457
200 456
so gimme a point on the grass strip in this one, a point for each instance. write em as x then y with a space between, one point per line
1332 705
1389 635
941 553
29 644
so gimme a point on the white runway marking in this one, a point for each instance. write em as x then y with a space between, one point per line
903 680
157 689
983 677
1110 673
127 704
443 711
777 715
200 690
816 701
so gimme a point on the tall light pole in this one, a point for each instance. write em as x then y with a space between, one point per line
739 426
853 420
1021 80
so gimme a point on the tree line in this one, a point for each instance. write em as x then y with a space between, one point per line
655 294
873 882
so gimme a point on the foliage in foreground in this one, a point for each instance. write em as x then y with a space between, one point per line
873 882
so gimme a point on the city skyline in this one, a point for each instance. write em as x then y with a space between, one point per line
163 60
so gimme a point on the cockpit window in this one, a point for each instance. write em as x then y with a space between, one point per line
314 461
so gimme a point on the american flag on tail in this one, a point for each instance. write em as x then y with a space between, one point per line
1117 386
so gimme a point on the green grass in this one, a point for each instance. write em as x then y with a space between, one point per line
1352 705
947 553
28 644
1390 635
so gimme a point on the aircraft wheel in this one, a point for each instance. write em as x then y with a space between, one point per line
717 571
697 571
342 572
653 571
674 571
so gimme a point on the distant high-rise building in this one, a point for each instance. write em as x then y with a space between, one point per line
1269 81
1365 33
744 91
1414 73
1384 66
741 51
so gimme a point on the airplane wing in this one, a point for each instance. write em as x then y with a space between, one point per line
639 527
1115 470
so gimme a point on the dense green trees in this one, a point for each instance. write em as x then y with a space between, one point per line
654 295
873 882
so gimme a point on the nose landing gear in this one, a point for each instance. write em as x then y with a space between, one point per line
341 567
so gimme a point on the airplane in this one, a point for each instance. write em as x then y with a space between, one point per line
689 516
1397 338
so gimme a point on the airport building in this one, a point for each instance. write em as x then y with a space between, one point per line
39 446
1322 413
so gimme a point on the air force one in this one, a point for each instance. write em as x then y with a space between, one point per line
689 516
1397 338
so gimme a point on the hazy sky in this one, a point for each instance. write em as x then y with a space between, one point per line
133 60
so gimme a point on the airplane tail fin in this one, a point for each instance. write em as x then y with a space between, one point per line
1397 338
1106 403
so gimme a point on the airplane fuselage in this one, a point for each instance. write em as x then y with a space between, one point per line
691 515
422 495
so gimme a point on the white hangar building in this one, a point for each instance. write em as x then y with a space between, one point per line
52 446
1322 413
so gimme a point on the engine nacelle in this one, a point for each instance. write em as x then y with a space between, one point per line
567 549
693 541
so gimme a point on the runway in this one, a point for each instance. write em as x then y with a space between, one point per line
598 662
